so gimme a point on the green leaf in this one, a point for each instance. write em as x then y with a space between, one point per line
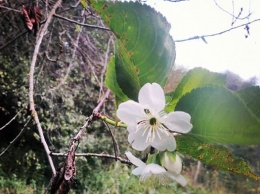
214 155
111 82
220 116
144 40
126 75
197 77
251 96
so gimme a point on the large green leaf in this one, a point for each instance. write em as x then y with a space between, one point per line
197 77
143 41
126 75
251 96
219 115
112 83
214 155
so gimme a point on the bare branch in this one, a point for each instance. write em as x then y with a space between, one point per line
115 144
63 80
8 8
96 110
16 138
234 17
81 24
218 33
31 83
11 41
106 60
125 161
11 120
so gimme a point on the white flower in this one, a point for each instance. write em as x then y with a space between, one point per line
154 171
148 124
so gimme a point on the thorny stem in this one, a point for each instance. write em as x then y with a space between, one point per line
31 83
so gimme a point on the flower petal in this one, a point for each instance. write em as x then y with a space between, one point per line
166 142
131 112
138 140
153 168
136 161
152 97
178 178
172 162
131 128
137 171
177 121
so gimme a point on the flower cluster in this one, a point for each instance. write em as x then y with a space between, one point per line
148 125
168 172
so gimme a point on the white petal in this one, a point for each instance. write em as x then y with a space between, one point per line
136 161
137 171
131 112
166 142
152 97
172 162
138 140
177 121
153 168
131 128
178 178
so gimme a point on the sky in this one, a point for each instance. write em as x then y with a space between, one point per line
229 51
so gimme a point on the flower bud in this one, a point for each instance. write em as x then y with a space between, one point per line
172 162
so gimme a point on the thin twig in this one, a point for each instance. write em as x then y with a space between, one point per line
31 83
8 8
218 33
89 119
15 38
232 14
105 63
16 138
115 144
81 24
96 110
11 120
125 161
63 80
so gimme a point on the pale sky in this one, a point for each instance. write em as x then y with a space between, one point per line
229 51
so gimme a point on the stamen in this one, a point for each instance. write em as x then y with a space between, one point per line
148 138
157 131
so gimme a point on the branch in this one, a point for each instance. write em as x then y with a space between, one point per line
218 33
96 110
110 121
15 38
231 14
11 120
31 83
105 63
115 144
125 161
16 138
81 24
8 8
63 80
